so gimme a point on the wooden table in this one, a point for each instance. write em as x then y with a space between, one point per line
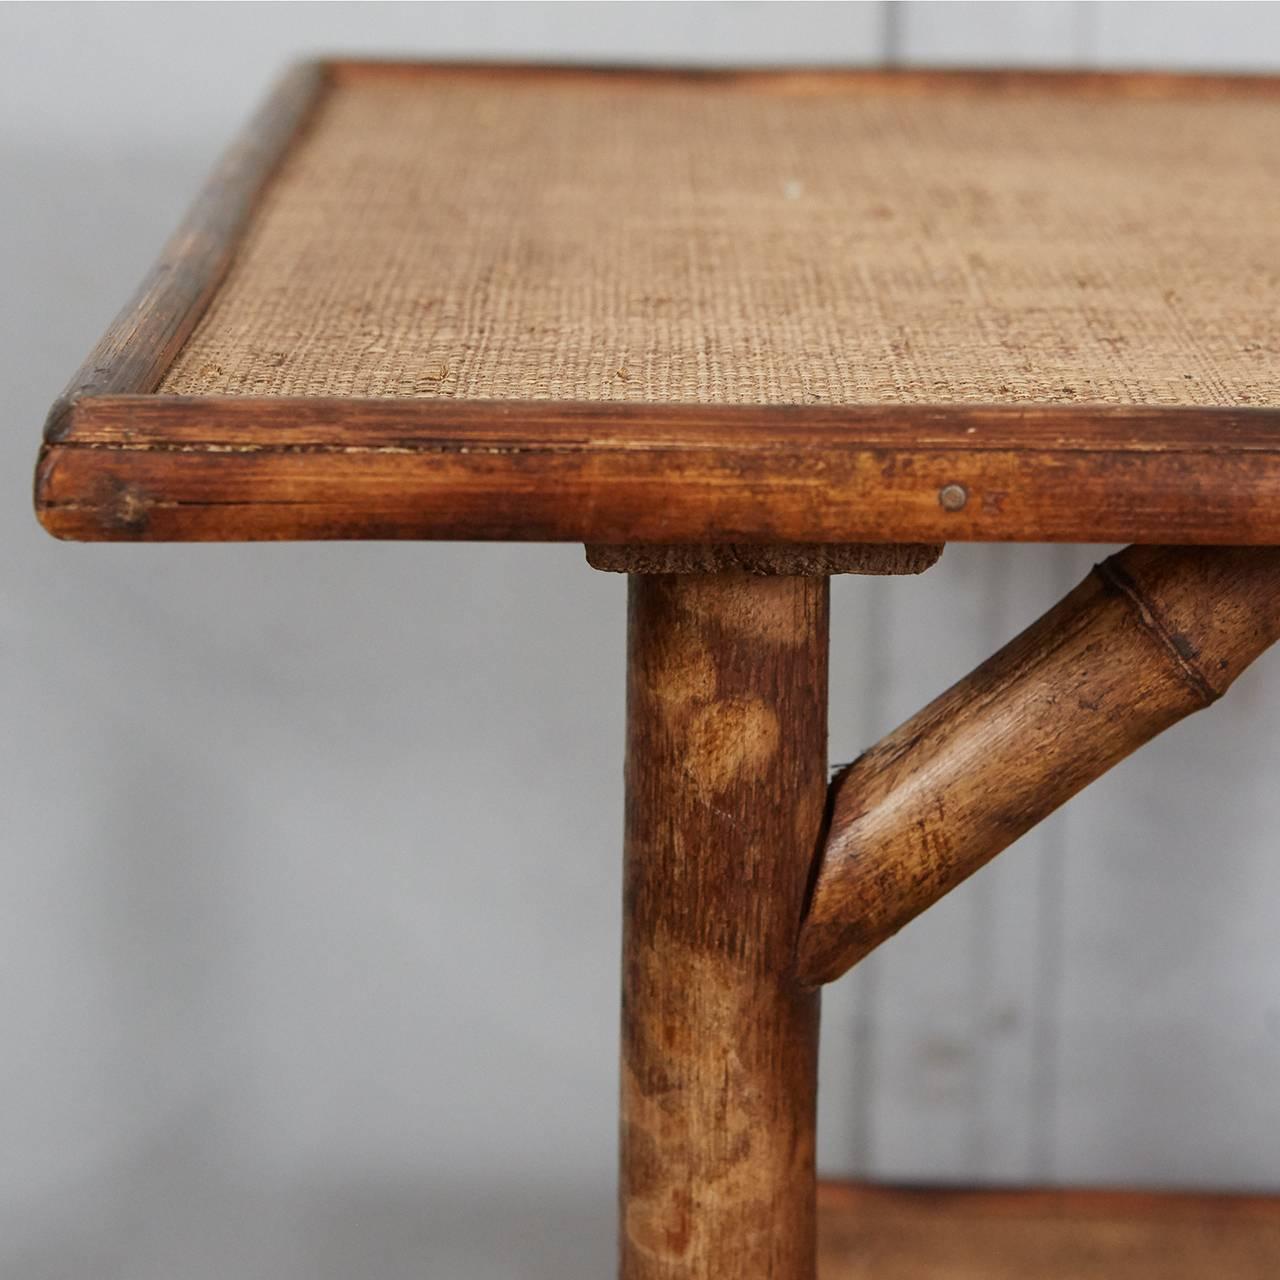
737 332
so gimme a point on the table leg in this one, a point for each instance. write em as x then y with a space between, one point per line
726 786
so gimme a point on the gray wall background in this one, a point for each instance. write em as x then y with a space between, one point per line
309 922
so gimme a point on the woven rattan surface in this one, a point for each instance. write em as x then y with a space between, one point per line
700 241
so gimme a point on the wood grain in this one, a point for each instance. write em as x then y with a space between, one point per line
726 765
899 1233
810 559
233 469
1153 634
142 341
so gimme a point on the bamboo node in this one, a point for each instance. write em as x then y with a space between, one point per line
1180 649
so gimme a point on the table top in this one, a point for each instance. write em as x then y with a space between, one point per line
625 306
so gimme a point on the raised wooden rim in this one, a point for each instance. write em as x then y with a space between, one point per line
817 78
272 468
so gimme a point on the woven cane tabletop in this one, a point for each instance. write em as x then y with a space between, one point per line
770 306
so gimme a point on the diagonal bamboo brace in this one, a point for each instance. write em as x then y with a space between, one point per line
1151 635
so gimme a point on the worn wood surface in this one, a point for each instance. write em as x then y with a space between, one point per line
813 559
726 765
142 341
890 1233
154 468
1153 634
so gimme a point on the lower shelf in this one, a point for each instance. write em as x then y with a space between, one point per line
890 1233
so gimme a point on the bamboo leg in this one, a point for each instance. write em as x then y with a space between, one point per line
726 782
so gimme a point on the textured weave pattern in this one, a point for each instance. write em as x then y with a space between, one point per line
689 241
